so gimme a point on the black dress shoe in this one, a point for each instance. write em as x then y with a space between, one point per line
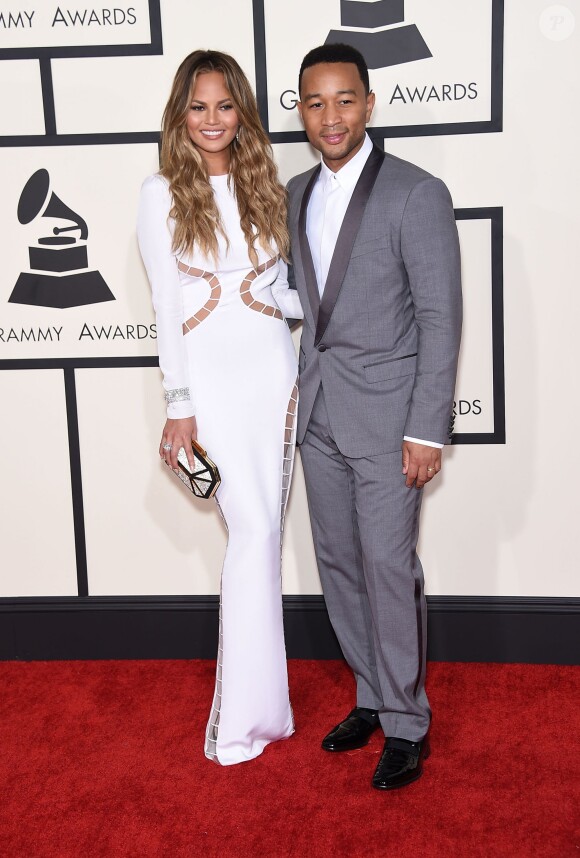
401 763
354 732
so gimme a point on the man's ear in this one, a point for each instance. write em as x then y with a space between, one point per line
299 109
370 105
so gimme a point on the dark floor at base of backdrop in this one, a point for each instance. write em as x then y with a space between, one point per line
528 630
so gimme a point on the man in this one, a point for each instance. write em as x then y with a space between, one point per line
376 264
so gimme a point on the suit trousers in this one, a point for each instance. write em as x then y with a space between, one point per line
365 525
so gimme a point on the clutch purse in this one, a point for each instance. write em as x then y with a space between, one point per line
205 478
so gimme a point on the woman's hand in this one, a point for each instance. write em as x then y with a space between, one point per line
177 434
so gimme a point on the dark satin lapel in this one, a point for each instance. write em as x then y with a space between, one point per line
345 241
307 263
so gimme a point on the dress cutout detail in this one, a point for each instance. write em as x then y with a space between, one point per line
289 444
211 733
210 304
249 299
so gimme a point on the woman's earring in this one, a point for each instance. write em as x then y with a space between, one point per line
238 136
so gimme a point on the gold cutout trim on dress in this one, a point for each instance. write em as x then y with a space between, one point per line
287 468
247 296
212 301
289 444
212 729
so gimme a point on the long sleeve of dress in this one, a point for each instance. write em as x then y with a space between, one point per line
153 233
286 298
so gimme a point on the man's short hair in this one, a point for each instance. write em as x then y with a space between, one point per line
338 53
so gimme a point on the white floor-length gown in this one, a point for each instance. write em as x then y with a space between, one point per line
226 356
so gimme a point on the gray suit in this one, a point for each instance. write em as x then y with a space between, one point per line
378 360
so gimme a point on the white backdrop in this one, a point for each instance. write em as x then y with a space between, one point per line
500 520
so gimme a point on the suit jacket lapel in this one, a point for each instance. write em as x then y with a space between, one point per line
345 242
307 263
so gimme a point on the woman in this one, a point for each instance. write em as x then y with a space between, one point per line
212 231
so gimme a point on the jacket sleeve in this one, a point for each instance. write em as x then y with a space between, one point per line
430 251
154 235
285 293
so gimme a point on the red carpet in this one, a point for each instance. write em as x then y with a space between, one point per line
106 759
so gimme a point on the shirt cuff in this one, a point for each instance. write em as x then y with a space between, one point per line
180 410
425 443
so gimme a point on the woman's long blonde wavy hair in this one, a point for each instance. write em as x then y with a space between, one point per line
260 196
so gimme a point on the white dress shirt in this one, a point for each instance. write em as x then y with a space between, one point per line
326 210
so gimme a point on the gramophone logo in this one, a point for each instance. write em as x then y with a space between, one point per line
59 273
380 47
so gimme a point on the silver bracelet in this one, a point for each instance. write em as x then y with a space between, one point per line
178 394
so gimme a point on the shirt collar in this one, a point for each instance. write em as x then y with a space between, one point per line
349 175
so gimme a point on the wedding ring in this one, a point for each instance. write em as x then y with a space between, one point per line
430 469
167 446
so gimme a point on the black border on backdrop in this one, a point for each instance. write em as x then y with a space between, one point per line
48 52
69 365
45 54
493 124
98 138
498 436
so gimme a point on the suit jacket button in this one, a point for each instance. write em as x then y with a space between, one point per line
322 348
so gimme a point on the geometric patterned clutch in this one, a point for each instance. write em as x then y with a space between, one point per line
204 480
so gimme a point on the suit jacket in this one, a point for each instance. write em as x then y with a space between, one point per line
384 338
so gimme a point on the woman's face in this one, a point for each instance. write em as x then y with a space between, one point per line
212 121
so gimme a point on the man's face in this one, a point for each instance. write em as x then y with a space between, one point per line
335 110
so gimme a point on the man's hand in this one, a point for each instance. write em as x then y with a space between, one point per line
420 463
